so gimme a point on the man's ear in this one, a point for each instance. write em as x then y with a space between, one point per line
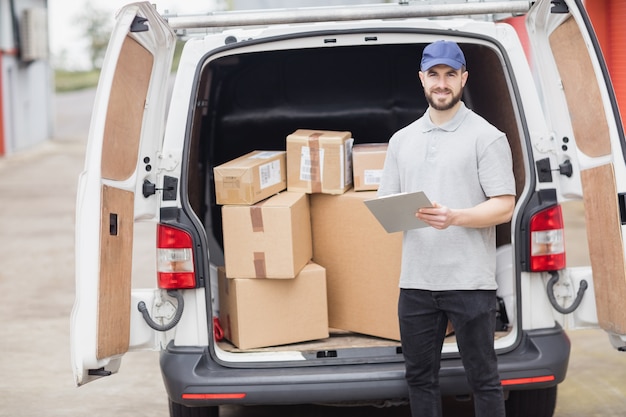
421 76
464 76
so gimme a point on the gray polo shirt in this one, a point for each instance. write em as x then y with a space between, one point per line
459 165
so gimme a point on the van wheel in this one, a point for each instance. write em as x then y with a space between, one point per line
536 403
179 410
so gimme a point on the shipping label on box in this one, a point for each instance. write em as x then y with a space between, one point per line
368 160
270 239
319 161
250 178
258 313
362 264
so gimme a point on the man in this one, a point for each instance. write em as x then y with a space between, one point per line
463 164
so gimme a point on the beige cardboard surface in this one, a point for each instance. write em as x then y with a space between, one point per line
368 160
263 312
362 264
270 239
319 161
250 178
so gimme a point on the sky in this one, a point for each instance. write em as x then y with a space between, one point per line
68 48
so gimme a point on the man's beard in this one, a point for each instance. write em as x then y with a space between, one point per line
446 105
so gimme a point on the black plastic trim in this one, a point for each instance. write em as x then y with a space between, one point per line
192 371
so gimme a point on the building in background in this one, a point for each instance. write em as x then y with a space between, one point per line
26 84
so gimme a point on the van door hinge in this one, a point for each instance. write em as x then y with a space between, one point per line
621 198
139 25
559 6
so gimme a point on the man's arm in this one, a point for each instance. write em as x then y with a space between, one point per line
494 211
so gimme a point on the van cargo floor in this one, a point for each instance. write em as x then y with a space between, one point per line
339 339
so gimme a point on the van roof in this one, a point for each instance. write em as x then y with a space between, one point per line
402 10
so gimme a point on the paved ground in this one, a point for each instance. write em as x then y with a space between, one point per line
37 192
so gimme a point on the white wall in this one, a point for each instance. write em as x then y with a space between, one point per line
27 87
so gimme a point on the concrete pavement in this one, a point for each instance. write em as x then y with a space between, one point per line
37 197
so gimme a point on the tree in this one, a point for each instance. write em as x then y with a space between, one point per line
96 25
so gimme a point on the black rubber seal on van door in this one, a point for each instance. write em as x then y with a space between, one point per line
621 199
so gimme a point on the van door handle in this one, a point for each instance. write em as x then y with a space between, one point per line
113 224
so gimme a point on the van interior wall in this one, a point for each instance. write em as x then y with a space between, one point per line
255 100
489 95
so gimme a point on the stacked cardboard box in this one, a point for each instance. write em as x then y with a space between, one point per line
319 161
270 291
251 177
268 312
362 264
270 239
368 160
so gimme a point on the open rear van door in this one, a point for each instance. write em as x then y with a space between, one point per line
571 74
125 137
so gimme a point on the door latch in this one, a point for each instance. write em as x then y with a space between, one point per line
170 187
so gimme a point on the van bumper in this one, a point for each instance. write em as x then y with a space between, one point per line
193 378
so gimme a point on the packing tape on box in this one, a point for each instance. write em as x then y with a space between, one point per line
256 217
259 265
316 166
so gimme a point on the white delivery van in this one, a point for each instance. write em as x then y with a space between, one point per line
248 80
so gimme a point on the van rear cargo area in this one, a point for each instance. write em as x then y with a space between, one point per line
258 94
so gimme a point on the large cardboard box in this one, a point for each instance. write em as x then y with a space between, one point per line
270 239
319 161
362 264
251 178
368 160
264 312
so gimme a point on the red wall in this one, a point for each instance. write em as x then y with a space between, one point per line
608 19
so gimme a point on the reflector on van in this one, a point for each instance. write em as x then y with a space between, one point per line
547 245
175 267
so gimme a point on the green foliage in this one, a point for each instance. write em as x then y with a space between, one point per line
95 24
65 81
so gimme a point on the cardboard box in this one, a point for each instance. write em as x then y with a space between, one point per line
362 264
263 312
270 239
319 161
368 160
251 178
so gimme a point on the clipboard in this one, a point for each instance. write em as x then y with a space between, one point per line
396 212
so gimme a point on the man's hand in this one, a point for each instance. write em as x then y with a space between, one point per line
495 210
437 216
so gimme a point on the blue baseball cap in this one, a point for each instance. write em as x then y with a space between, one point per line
442 52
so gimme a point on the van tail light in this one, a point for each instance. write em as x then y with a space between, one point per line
175 266
547 246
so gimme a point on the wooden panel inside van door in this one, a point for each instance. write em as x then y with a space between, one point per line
116 246
120 151
122 131
606 246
